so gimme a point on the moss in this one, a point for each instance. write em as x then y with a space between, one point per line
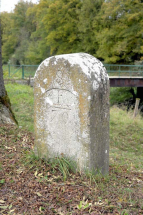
6 102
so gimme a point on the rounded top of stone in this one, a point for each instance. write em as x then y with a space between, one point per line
88 63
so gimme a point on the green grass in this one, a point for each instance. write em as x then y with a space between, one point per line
22 100
126 131
126 140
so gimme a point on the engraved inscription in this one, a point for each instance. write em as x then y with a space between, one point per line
62 120
62 81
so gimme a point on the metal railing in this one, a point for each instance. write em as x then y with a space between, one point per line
124 70
26 71
19 71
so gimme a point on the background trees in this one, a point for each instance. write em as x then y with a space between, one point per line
121 38
110 30
89 25
62 30
16 32
8 39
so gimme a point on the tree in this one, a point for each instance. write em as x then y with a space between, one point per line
9 40
120 37
37 50
60 24
6 114
89 25
17 28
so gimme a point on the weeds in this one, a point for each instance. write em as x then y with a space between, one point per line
66 166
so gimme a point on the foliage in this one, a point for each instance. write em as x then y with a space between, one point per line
8 40
38 49
118 95
89 25
117 39
110 30
16 31
61 24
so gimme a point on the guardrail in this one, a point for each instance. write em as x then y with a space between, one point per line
124 70
26 71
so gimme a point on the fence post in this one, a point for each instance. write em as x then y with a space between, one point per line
22 71
119 71
9 69
130 68
136 107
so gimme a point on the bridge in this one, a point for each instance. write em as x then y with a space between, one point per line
125 75
119 75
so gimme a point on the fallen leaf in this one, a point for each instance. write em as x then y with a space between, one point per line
10 206
38 194
40 175
36 173
4 207
11 210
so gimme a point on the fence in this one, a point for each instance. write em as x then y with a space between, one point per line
26 71
124 70
19 71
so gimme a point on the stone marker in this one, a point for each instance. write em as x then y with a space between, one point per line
72 110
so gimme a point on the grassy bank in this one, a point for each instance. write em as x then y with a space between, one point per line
33 186
126 139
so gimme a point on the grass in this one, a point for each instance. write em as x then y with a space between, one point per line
70 192
22 100
126 131
126 138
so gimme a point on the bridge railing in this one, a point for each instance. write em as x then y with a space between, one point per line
124 70
26 71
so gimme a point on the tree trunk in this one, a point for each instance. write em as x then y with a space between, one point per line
6 114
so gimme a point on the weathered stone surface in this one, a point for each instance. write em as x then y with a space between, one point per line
72 110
